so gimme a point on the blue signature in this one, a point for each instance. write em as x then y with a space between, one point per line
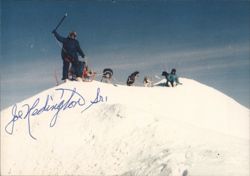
74 100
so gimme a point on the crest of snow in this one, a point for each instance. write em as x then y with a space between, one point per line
191 129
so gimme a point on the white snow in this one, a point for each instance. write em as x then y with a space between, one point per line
191 129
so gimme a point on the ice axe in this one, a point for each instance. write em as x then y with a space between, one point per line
60 22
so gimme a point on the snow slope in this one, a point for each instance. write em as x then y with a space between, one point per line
191 129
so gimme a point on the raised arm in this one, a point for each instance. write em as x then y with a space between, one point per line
58 37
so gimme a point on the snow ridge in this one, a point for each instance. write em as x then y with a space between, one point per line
101 129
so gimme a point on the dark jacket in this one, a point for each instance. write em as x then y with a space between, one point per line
70 47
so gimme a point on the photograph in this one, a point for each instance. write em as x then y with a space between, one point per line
125 87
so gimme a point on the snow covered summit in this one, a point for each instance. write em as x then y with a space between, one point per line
94 128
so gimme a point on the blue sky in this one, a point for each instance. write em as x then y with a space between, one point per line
204 40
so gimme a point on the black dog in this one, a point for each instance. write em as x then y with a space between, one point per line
131 78
167 76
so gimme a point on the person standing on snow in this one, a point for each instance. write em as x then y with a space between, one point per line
69 53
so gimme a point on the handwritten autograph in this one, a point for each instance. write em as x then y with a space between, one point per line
65 102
